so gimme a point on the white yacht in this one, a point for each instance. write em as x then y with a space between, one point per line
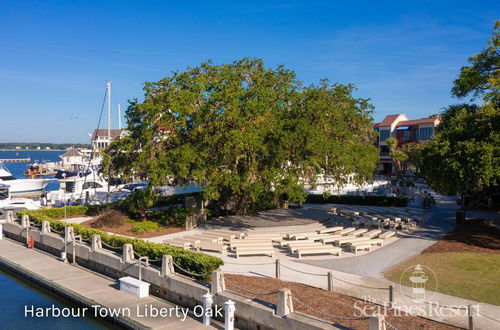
9 203
83 186
21 186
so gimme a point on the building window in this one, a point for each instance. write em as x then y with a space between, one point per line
384 134
425 133
406 135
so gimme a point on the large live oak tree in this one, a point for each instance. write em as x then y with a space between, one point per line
248 134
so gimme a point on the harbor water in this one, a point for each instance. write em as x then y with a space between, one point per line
16 294
38 156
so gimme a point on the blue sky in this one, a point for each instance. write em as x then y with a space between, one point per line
55 56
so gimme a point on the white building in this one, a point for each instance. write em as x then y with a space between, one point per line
102 138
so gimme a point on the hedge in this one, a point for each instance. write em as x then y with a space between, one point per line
357 200
192 261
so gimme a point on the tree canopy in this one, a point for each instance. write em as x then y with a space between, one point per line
482 76
465 154
248 134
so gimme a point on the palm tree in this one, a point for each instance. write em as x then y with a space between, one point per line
398 156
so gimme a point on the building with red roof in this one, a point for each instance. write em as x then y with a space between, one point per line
404 131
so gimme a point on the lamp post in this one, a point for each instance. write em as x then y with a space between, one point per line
63 254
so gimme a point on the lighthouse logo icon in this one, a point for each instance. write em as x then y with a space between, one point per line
418 282
418 278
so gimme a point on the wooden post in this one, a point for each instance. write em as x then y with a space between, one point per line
471 321
278 270
330 281
391 294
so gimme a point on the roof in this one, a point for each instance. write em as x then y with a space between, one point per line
418 121
72 152
388 120
104 132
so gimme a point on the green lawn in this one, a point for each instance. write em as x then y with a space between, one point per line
469 275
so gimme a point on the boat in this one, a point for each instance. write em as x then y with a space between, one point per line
15 204
85 185
21 186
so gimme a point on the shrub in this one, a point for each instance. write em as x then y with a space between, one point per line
109 218
190 260
357 200
139 201
145 227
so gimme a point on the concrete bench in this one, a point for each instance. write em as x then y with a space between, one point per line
202 238
358 232
221 236
297 236
218 237
360 247
387 234
180 243
294 248
409 226
269 252
273 237
330 239
346 231
318 250
330 230
234 245
238 234
221 248
372 233
347 241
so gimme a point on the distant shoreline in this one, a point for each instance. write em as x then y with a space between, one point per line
32 149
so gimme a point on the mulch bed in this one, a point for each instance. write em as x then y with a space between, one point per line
125 229
468 238
329 302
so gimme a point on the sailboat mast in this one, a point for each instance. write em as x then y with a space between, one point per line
109 111
119 117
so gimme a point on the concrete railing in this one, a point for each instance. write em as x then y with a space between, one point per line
164 282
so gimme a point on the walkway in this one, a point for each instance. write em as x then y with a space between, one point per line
91 288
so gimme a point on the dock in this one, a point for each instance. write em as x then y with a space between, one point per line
15 160
88 289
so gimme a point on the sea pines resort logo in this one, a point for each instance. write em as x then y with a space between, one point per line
141 311
417 288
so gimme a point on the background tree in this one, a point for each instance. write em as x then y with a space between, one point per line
249 135
465 154
482 77
413 151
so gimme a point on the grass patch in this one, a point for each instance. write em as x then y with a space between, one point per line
469 275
